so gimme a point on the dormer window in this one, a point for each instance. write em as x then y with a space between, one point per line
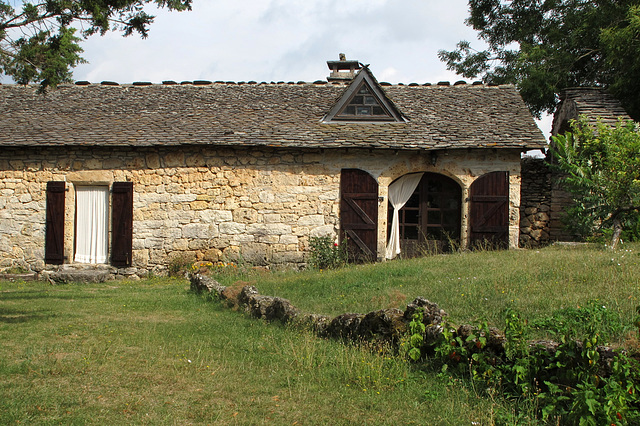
364 101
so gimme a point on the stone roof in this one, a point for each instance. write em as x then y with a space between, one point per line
593 102
265 114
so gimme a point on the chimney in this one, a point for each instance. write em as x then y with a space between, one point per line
343 70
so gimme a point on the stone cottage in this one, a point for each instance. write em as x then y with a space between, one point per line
544 201
134 175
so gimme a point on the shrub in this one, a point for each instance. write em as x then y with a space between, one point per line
567 385
180 265
326 254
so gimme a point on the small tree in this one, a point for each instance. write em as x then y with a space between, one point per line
602 166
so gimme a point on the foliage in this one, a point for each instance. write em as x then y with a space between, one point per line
38 41
180 265
545 46
416 336
215 268
566 385
326 254
571 323
602 167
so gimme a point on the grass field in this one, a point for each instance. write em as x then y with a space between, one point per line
151 352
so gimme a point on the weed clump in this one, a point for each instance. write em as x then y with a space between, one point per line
326 253
575 380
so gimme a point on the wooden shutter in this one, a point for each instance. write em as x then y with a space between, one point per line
489 210
122 224
54 231
359 214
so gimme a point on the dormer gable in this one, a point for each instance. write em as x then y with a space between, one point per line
364 101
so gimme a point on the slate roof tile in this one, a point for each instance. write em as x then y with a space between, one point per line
280 115
593 102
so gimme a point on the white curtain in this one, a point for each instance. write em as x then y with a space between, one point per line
399 193
91 224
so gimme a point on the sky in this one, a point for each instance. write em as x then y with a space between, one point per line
285 40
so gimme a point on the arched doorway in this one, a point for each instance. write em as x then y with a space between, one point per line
430 219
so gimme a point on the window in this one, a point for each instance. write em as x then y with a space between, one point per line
364 104
92 230
364 101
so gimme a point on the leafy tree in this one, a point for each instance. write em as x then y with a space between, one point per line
544 46
39 41
602 166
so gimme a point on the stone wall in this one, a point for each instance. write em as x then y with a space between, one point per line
211 203
535 198
560 200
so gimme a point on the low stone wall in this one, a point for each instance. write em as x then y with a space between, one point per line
385 326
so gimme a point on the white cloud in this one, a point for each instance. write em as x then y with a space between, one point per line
288 40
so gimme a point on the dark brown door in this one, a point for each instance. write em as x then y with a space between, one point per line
359 214
122 224
54 233
430 219
489 211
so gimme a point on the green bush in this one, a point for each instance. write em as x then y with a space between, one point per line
568 385
326 254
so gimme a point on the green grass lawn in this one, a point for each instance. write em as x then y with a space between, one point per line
472 287
151 352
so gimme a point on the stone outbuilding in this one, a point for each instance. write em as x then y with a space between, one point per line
544 201
135 175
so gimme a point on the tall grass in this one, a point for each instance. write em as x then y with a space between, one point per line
473 286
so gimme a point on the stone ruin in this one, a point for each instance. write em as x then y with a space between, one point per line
385 326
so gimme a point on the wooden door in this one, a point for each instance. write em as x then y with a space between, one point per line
359 214
489 211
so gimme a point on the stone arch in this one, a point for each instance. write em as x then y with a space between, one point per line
431 220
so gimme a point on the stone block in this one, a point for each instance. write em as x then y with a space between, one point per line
272 218
266 197
288 239
543 217
245 215
311 220
215 216
182 198
174 159
196 230
268 229
232 228
82 276
321 231
268 239
199 205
